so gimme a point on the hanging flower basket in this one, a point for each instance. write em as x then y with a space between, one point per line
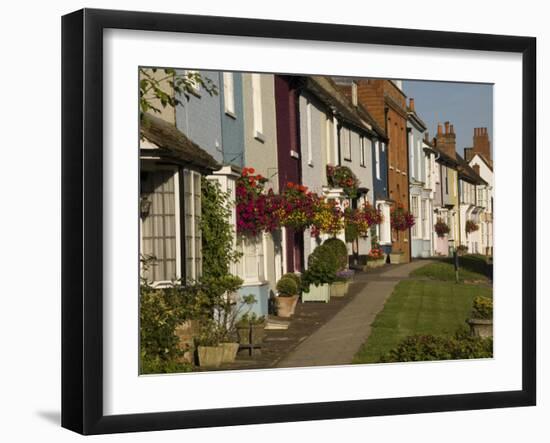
256 209
401 219
343 177
328 218
297 206
471 226
441 228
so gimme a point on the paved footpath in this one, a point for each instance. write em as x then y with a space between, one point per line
338 340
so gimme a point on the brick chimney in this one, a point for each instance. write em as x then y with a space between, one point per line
411 104
481 143
446 141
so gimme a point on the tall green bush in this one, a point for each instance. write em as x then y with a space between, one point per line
322 267
339 248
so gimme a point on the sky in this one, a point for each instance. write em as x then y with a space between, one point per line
465 105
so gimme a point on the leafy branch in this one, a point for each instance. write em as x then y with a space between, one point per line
182 85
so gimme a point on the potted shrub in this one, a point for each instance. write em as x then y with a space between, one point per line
287 296
481 321
242 328
341 286
321 272
257 329
209 350
375 258
250 330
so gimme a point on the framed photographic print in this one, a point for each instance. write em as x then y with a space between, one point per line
270 221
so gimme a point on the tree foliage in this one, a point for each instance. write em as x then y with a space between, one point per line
151 81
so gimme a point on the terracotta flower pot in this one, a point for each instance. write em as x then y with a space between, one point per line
229 352
210 356
286 305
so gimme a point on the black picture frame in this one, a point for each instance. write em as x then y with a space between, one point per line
82 215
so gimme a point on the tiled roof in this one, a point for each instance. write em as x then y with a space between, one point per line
174 144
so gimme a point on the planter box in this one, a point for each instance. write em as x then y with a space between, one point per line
375 263
317 293
339 288
395 258
286 305
257 334
481 328
229 352
210 356
243 333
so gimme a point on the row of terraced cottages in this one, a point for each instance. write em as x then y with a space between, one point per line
289 129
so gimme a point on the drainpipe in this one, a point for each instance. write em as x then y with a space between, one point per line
409 131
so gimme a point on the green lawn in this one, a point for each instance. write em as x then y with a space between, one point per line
444 270
419 307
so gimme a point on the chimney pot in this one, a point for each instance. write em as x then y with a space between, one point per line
452 129
439 129
411 104
446 127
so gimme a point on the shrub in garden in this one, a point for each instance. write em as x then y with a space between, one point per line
287 287
482 308
339 248
160 311
430 347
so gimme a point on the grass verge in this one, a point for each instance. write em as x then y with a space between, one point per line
419 307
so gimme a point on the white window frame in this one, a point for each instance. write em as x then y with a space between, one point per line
413 155
419 161
354 93
178 229
194 253
377 158
425 219
345 137
362 154
309 134
229 93
328 135
257 111
414 210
